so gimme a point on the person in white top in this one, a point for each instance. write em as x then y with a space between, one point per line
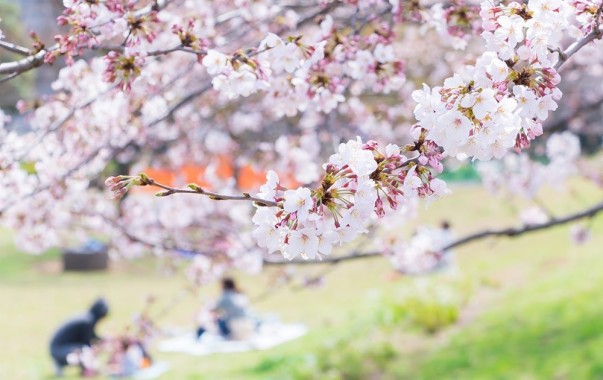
446 236
231 306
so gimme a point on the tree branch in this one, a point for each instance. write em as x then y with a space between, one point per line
195 189
595 34
508 232
13 48
33 61
517 231
24 64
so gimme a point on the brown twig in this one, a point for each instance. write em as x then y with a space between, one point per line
195 189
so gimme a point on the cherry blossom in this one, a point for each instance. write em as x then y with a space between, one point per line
215 62
298 201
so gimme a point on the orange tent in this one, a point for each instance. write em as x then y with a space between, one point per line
248 178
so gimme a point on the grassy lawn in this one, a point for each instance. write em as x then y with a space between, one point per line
535 310
545 322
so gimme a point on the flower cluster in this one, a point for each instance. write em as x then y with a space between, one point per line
421 253
242 75
93 22
188 38
81 17
358 181
458 21
123 68
521 176
588 14
501 101
243 81
300 75
141 28
338 62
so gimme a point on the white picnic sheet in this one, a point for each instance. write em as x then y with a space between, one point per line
267 336
153 372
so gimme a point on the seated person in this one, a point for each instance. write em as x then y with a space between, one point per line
75 334
231 306
447 262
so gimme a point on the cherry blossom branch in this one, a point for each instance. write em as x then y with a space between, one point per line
595 34
152 53
36 60
120 184
24 64
517 231
508 232
208 86
14 48
16 68
576 46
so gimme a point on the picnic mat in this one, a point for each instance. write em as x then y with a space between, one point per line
153 372
267 336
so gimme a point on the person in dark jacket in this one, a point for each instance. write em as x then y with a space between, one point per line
76 333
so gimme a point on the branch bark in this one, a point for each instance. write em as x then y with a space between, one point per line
194 189
596 34
14 48
33 61
24 64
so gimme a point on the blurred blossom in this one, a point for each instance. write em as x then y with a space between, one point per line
580 234
533 216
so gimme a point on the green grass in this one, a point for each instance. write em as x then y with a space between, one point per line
548 327
463 173
533 312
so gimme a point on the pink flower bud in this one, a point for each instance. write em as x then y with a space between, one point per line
118 185
379 208
119 193
112 181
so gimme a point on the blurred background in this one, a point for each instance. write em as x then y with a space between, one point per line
528 307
